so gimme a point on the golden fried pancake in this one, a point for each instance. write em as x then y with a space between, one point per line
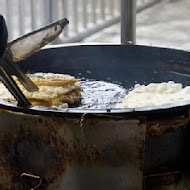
49 79
55 90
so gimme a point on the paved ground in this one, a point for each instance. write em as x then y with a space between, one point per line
167 23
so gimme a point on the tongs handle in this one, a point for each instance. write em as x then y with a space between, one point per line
13 88
4 72
20 49
30 43
27 45
14 69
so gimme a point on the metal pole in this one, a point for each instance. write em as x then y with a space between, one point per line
84 13
128 21
75 15
93 9
65 7
33 15
21 17
9 18
102 9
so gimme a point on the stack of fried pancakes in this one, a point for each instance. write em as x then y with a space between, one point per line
55 90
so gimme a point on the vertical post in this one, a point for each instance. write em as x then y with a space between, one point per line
111 8
128 21
50 11
65 7
102 9
84 13
9 18
54 9
21 17
75 15
33 14
46 16
93 3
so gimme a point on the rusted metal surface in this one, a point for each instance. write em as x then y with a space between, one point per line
165 153
167 142
166 181
160 125
102 153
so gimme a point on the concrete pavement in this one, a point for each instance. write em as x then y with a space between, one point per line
167 24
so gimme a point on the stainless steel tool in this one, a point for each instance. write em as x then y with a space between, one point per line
4 70
20 49
30 43
27 45
13 88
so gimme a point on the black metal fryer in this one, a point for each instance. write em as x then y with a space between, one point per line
99 148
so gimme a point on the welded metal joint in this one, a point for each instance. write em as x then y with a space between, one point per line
128 21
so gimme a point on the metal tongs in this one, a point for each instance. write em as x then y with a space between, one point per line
20 49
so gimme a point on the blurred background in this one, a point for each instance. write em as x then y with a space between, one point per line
159 22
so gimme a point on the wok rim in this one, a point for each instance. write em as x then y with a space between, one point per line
39 110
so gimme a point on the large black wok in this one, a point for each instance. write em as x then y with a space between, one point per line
96 148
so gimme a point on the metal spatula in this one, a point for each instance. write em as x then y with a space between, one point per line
27 45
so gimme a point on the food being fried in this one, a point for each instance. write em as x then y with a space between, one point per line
55 90
155 94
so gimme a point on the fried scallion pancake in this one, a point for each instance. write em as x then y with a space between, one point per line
55 90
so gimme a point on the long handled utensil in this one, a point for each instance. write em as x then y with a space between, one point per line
20 49
4 72
27 45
